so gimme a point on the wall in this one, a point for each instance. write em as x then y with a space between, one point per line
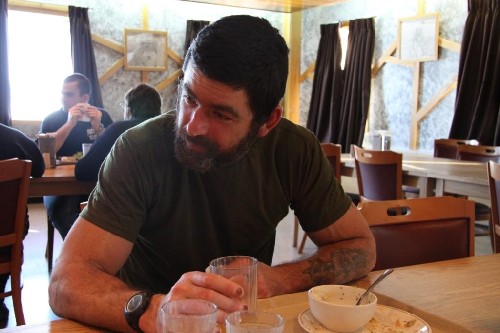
108 20
391 89
391 95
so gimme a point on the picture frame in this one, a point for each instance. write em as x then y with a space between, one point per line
418 38
145 50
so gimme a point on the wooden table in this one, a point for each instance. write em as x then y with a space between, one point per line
59 181
460 296
436 176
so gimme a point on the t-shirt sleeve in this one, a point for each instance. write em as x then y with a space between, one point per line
118 202
319 200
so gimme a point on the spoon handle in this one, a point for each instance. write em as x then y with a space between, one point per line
380 278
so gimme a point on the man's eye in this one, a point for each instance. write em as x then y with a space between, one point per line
189 100
221 115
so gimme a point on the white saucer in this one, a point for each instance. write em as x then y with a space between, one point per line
385 320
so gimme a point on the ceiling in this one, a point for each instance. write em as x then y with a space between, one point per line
285 6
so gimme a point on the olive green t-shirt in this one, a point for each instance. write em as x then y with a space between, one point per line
179 219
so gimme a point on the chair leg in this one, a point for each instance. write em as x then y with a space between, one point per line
15 280
49 250
302 243
295 231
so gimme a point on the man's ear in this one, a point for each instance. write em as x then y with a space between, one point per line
271 121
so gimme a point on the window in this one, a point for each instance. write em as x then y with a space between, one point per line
344 37
39 60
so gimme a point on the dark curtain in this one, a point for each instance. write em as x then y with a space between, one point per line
4 67
357 83
326 94
82 51
192 28
477 103
340 98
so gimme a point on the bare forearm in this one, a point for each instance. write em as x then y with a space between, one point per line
62 134
331 264
89 296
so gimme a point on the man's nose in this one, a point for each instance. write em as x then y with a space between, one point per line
198 123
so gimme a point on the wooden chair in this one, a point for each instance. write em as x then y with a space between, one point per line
494 181
14 186
448 148
415 231
333 153
379 174
480 153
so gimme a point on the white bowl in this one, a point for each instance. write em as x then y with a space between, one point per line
334 306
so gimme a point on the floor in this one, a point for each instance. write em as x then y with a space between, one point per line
36 277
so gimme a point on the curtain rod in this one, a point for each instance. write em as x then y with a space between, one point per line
38 7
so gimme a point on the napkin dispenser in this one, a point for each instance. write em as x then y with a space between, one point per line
47 145
381 140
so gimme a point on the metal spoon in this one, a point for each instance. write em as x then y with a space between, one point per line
380 278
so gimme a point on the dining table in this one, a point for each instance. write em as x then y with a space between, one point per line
435 176
59 180
459 296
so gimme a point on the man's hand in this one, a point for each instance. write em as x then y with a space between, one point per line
77 112
95 116
224 293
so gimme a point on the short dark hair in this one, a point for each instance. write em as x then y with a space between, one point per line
143 101
247 53
84 85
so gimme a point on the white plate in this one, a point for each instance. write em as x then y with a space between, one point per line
385 320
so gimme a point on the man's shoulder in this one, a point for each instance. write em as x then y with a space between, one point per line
159 126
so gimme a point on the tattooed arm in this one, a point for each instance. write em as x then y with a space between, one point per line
346 251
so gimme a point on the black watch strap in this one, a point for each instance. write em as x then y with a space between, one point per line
135 308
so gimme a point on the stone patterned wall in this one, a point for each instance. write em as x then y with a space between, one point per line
391 88
109 19
391 95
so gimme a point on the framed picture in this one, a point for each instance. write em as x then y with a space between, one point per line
145 50
418 38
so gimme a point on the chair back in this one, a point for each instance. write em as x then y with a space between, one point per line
494 182
479 153
415 231
448 148
333 152
14 186
379 174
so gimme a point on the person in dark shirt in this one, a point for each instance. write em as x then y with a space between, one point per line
141 103
15 144
75 123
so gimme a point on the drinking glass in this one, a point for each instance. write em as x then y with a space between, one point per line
242 270
254 322
187 316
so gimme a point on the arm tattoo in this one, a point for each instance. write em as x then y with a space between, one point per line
340 268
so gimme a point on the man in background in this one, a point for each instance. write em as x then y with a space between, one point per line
16 144
141 103
75 123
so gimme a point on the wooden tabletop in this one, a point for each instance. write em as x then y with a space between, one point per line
437 176
59 181
460 296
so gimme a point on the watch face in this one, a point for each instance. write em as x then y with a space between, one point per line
134 303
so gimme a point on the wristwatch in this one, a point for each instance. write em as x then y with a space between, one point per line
135 307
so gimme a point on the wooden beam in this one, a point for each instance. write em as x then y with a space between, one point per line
175 57
37 7
414 106
449 45
386 57
309 72
115 68
445 91
293 32
166 82
108 43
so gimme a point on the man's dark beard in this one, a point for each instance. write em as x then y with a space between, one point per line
211 159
